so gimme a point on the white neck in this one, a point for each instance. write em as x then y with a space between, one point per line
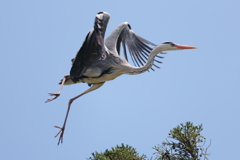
137 70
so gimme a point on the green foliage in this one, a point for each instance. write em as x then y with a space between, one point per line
188 144
118 153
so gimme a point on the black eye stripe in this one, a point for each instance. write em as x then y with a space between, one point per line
100 12
167 42
172 44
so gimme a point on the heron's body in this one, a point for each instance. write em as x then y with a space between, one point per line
112 65
98 73
99 60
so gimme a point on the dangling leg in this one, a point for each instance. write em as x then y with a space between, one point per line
94 87
59 92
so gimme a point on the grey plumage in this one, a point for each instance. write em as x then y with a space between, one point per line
98 61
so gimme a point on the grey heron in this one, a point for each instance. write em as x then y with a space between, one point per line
99 60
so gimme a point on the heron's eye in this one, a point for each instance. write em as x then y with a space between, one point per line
172 44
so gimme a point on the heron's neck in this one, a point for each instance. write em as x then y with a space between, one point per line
148 65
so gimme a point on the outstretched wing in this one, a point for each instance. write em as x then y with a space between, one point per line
92 48
138 47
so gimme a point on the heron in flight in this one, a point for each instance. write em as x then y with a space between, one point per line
99 60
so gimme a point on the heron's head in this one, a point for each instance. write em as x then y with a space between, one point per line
169 46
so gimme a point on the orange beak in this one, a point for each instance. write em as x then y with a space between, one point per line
184 47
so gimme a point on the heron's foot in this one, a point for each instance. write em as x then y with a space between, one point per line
61 131
52 94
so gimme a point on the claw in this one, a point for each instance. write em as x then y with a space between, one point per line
61 135
52 94
59 131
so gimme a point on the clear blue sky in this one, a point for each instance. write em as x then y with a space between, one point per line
39 38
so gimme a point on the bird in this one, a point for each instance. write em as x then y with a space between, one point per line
98 60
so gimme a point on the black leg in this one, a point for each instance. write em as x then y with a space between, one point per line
61 132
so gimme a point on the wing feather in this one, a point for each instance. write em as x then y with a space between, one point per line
133 45
91 50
